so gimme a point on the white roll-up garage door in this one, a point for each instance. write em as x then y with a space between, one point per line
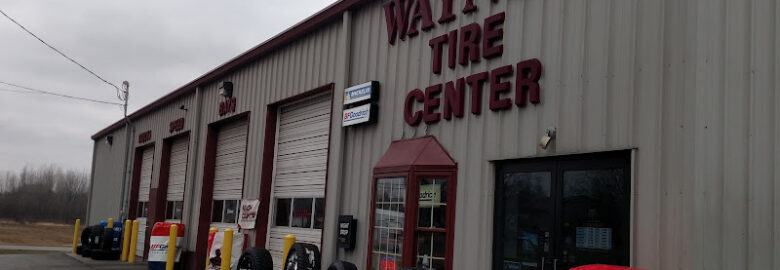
144 186
299 172
229 172
177 174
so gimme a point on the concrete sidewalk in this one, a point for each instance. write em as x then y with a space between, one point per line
62 261
36 248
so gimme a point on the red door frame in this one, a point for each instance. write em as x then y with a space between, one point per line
207 188
159 198
135 185
267 171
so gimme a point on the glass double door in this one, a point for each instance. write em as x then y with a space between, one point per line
563 212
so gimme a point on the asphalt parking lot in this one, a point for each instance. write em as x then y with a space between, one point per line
61 261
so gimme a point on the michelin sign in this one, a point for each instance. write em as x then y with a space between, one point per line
359 104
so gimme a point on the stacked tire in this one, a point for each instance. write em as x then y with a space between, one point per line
255 259
85 249
303 256
104 245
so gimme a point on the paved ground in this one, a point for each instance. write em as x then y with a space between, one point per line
36 248
62 261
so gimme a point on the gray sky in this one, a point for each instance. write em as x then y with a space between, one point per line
156 45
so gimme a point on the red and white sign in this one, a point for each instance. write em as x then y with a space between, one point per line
158 243
248 213
215 249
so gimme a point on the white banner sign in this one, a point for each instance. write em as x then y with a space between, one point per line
248 214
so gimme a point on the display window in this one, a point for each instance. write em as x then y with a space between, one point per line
413 207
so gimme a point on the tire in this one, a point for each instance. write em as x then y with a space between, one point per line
86 252
303 257
96 236
78 249
85 236
255 259
107 240
341 265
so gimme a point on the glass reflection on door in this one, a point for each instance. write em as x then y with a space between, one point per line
528 219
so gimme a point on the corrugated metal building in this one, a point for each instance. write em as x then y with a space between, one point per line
666 117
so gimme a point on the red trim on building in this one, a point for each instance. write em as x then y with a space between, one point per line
266 173
207 188
302 29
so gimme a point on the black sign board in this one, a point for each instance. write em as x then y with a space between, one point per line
347 227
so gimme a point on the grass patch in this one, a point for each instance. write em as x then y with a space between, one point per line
35 234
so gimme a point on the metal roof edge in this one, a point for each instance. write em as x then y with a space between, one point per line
299 30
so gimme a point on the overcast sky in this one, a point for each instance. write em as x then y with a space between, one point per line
157 46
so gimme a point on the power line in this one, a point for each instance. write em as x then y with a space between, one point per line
63 54
43 92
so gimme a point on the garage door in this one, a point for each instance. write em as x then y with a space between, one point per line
147 162
177 173
299 173
229 174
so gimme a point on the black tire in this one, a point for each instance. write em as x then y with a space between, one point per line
303 256
108 240
341 265
255 259
78 250
96 234
85 236
86 252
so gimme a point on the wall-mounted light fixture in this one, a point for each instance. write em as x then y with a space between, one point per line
547 138
226 89
110 139
183 108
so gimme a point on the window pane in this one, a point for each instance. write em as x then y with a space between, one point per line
177 209
302 212
319 213
387 245
216 211
146 209
231 211
431 247
282 212
432 211
140 209
169 210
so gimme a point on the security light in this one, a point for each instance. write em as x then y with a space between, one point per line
226 89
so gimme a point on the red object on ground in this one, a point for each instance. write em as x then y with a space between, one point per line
603 267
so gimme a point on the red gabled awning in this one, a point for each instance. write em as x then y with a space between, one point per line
424 153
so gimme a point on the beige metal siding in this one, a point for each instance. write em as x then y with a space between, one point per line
303 65
107 178
690 84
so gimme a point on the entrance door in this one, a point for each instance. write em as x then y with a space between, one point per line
563 212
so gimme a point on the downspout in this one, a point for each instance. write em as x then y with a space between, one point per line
193 167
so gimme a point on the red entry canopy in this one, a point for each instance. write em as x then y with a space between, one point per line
424 153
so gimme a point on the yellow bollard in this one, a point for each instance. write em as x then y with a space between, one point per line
76 235
133 242
126 239
227 249
110 223
289 240
172 247
208 253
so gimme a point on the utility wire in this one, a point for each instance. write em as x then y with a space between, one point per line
38 91
63 54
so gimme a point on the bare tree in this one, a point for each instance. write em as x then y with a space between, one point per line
46 193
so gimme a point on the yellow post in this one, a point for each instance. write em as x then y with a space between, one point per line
208 252
110 223
289 240
126 239
76 235
227 249
172 247
133 242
